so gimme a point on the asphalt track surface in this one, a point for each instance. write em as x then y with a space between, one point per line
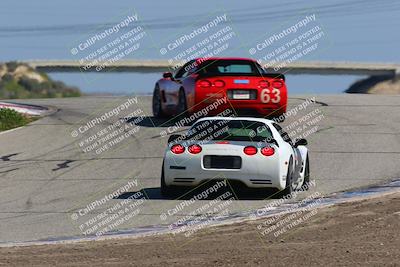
46 178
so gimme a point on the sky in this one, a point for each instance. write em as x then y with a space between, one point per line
354 30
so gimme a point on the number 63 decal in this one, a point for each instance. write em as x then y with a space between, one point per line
266 97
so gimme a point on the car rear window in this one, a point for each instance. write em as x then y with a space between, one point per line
228 67
230 130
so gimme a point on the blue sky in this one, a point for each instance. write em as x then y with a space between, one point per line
355 30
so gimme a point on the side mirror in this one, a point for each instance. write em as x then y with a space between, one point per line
174 137
167 75
301 142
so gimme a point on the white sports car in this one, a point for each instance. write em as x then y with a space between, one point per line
254 151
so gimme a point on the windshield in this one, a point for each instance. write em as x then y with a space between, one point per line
230 130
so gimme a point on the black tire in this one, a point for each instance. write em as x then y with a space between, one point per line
156 103
164 188
289 189
168 191
182 104
306 181
278 118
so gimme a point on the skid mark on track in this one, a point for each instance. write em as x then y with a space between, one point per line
10 170
7 157
63 165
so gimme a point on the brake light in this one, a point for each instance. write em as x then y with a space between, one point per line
205 83
219 83
222 142
250 150
277 84
267 151
194 149
177 149
263 84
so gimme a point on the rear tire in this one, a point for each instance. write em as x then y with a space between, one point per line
289 189
156 103
181 109
182 104
306 175
166 190
279 118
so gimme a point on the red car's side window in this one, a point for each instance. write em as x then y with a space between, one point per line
185 70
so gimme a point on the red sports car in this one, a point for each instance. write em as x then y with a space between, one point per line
217 84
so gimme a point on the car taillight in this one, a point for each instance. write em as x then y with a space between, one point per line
204 83
277 84
263 84
267 151
177 149
250 150
219 83
194 149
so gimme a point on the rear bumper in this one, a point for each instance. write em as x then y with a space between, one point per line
260 101
253 174
246 107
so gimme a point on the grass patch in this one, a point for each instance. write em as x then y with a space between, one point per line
20 81
10 119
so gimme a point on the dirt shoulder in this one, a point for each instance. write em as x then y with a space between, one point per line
363 233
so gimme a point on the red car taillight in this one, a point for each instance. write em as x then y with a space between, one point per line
277 84
250 150
219 83
267 151
194 149
263 84
204 83
177 149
